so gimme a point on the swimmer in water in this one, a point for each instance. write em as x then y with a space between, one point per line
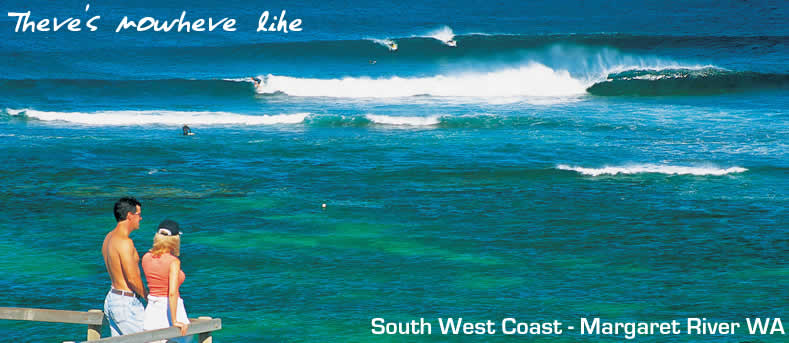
255 80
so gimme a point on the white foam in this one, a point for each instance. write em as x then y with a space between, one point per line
239 79
444 34
407 121
652 168
529 80
176 118
388 43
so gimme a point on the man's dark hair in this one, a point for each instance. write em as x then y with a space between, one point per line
124 206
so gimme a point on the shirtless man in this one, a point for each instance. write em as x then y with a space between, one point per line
124 311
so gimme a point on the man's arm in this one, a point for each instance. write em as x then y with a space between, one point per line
131 269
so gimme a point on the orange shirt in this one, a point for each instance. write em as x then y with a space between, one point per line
157 272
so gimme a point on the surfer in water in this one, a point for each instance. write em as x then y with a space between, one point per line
187 130
392 46
256 80
452 43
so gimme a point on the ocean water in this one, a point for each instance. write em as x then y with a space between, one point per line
567 159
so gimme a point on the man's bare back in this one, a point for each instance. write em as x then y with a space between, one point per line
121 257
112 249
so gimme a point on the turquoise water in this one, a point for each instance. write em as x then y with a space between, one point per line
551 169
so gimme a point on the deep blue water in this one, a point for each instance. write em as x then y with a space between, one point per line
566 159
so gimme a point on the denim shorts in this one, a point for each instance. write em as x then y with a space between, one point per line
125 314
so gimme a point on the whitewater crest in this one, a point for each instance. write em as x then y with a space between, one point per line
371 120
530 80
443 34
404 121
174 118
387 43
653 168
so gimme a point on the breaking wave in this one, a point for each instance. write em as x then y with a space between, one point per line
131 118
530 80
685 81
652 168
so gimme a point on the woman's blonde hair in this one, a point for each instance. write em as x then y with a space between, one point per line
164 244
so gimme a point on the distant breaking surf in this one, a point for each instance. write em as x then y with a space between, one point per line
652 168
372 120
531 80
131 118
407 121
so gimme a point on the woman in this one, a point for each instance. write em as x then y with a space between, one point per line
163 271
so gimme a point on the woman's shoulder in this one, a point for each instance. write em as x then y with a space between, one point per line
146 261
163 257
170 257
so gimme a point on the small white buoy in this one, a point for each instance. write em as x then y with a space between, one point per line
324 205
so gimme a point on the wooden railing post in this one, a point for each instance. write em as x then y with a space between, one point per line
204 327
205 337
94 331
